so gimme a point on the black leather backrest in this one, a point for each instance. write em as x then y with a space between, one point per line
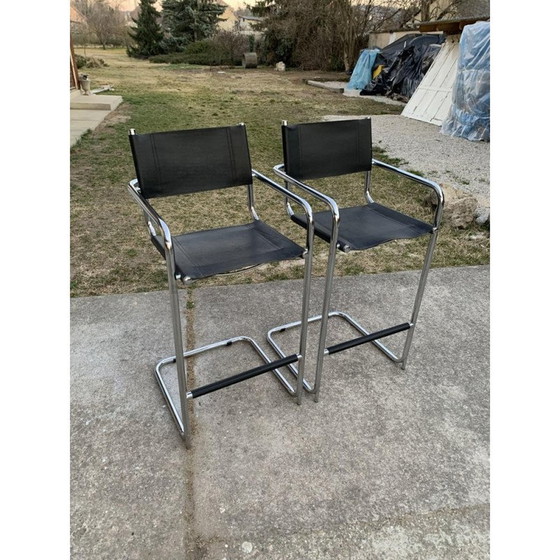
187 161
326 149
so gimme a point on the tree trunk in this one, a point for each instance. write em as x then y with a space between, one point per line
425 10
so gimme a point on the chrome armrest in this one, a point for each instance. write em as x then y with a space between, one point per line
295 198
151 215
417 179
288 194
331 203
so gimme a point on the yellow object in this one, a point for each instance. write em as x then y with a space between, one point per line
377 71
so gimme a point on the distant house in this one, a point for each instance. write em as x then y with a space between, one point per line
246 25
129 14
228 17
233 20
76 17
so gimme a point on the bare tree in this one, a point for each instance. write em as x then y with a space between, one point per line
446 9
328 34
104 21
352 20
298 32
405 13
355 19
232 43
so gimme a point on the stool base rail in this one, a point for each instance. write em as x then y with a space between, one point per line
366 336
268 366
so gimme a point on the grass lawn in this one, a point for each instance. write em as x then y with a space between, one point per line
110 249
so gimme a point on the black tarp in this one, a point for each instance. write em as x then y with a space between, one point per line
404 63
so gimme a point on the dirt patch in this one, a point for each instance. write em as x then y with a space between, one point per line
121 115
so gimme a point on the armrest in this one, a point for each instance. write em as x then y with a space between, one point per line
417 179
150 213
288 194
331 203
295 198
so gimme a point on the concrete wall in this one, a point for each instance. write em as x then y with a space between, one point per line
385 38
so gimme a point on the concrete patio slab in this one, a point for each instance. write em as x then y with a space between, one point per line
378 98
383 447
87 112
87 115
129 484
337 87
83 120
95 102
389 464
341 87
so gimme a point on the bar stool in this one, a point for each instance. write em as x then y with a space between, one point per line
337 148
179 163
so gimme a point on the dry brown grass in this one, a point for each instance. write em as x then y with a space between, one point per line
110 250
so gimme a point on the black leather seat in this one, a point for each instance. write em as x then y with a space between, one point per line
364 227
201 254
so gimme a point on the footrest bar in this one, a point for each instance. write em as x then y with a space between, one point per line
367 338
211 387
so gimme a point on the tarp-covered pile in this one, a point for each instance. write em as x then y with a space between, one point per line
400 66
361 75
469 116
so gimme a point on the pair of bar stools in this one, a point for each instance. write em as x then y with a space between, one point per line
188 161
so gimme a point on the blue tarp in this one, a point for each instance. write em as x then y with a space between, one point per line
469 116
361 76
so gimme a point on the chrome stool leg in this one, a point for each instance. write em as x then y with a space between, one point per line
366 336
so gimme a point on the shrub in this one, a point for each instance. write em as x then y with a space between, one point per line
206 52
234 45
171 45
89 62
172 58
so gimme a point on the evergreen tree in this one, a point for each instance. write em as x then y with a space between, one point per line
148 34
191 20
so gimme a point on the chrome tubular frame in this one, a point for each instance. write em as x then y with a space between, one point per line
181 417
367 186
329 275
306 285
427 259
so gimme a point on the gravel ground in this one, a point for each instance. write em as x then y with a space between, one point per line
457 162
380 98
341 86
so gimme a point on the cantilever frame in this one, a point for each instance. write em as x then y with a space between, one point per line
156 224
365 335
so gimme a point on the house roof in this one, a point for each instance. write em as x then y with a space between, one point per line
449 26
251 18
76 16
